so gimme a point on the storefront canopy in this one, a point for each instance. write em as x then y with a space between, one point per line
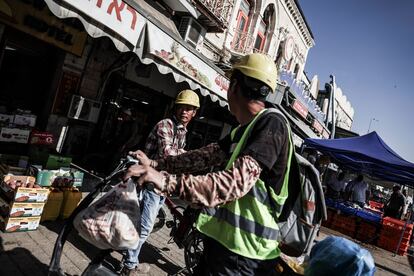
133 25
367 154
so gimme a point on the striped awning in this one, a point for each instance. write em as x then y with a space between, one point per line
133 25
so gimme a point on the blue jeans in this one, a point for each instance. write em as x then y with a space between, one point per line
150 205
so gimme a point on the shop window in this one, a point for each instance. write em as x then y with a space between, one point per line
242 26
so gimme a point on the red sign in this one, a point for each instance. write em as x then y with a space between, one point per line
316 125
41 138
300 108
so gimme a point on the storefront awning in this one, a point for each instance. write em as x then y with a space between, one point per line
303 129
133 25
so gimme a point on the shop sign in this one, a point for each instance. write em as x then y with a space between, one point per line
300 109
116 15
170 51
33 17
316 125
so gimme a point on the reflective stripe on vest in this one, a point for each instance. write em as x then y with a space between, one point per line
248 225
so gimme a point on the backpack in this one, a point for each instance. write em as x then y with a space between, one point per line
304 209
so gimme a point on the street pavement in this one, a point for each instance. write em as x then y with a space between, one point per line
29 253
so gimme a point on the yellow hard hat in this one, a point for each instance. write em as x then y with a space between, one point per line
259 67
188 97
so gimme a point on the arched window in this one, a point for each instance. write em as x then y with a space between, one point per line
240 40
261 37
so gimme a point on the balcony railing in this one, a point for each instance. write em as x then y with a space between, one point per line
242 43
221 9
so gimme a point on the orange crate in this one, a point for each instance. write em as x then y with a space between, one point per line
376 205
396 223
392 232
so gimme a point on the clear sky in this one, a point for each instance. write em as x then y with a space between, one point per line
369 46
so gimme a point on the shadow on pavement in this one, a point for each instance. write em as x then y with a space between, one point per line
20 261
152 255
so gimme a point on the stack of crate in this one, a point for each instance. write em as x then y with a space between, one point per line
366 232
21 205
331 213
391 232
344 224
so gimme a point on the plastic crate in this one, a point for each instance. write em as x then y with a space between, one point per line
376 205
345 209
369 216
396 223
392 232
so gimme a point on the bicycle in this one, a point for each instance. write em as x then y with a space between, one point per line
96 266
183 232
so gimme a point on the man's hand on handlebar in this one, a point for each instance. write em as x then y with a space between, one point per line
142 157
146 175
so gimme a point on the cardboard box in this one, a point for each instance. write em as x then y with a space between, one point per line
14 160
6 169
16 135
6 119
55 162
64 177
25 120
17 209
19 224
22 194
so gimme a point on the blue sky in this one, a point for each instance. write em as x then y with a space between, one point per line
369 46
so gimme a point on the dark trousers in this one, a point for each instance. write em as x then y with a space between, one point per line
219 261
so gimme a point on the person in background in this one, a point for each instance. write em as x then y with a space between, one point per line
357 190
395 205
241 202
167 138
337 186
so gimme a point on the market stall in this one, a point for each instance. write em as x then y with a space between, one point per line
370 155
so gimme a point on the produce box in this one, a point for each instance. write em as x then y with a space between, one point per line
56 161
14 160
6 119
16 209
64 177
19 224
16 135
6 169
24 193
25 120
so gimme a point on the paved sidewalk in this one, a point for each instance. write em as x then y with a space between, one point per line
29 253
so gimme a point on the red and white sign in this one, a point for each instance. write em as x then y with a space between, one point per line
316 125
300 109
116 15
41 138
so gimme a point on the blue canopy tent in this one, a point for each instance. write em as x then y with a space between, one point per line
367 154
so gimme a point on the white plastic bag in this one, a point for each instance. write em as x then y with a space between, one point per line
111 222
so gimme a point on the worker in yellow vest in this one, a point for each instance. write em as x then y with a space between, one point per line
242 201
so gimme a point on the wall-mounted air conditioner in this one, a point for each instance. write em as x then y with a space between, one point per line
192 32
84 109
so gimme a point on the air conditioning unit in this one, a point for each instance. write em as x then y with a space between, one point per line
84 109
192 32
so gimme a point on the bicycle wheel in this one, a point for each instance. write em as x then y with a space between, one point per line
159 220
193 250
